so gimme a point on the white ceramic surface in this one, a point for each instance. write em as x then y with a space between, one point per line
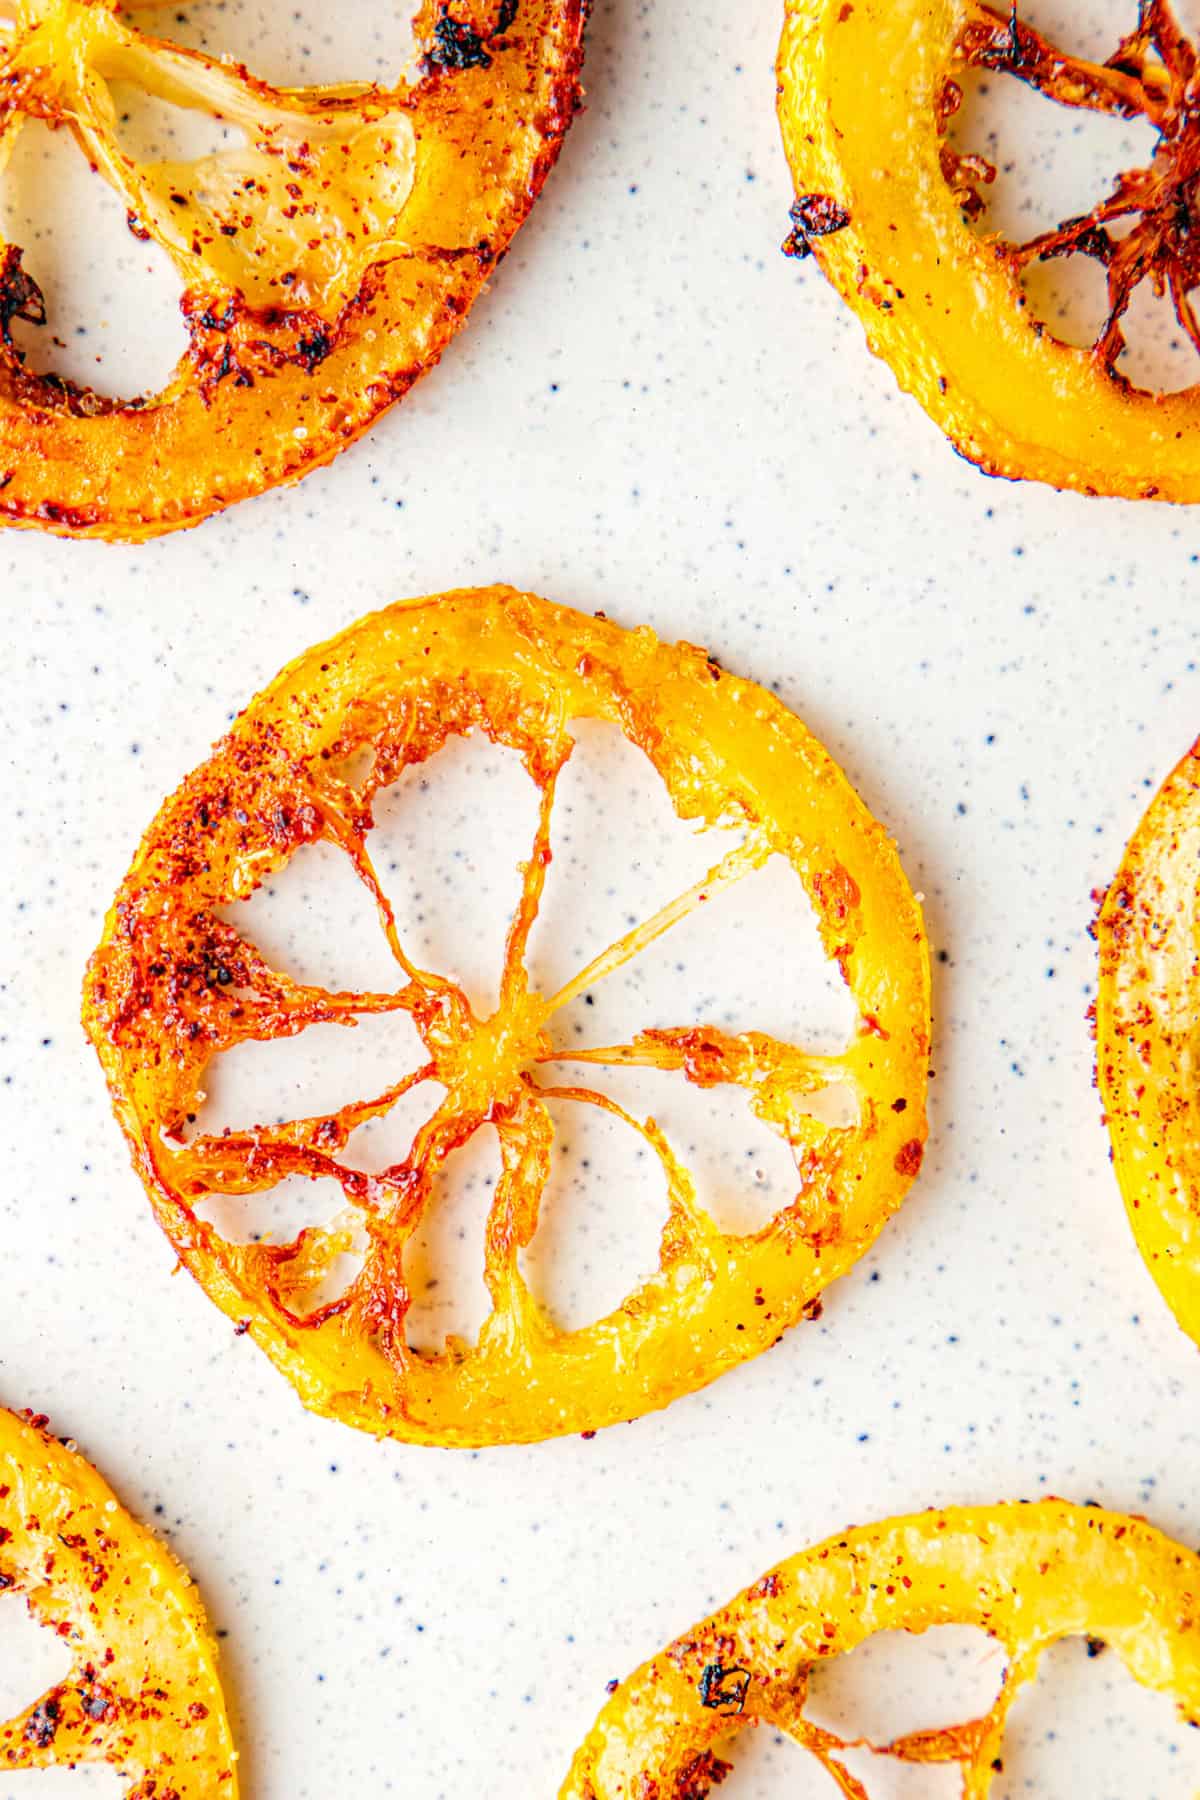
654 413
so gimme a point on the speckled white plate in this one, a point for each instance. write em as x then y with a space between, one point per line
655 413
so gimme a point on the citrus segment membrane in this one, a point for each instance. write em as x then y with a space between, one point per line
175 985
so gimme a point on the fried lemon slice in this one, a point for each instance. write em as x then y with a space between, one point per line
887 206
1028 1575
1147 1026
327 256
173 985
142 1693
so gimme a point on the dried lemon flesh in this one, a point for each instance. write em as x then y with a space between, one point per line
174 984
1028 1575
1147 1007
142 1692
327 255
888 207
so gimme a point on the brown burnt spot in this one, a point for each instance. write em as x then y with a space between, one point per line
697 1779
909 1158
460 43
457 46
245 344
41 1727
312 347
723 1689
480 252
813 216
948 102
20 295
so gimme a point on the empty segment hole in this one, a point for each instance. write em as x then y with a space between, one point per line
601 1218
743 1171
749 958
1052 162
65 1783
277 1214
112 302
298 44
1070 295
766 1765
316 921
444 1259
383 1142
1159 355
32 1658
448 840
1086 1726
897 1682
619 853
309 1075
1093 28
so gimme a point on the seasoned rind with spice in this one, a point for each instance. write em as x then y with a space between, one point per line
142 1693
173 985
1028 1575
326 261
887 207
1147 1014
